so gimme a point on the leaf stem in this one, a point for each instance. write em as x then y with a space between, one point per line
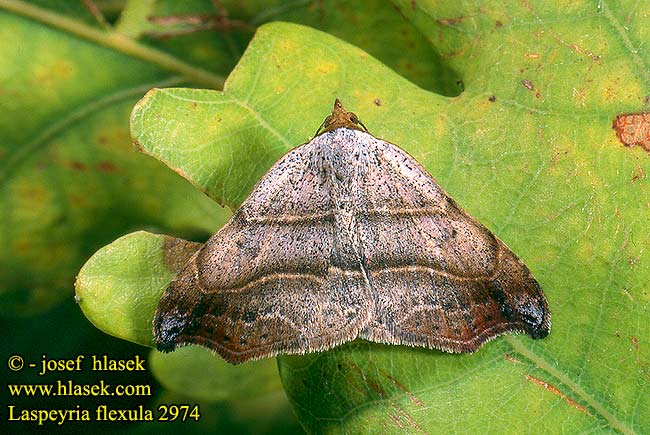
116 41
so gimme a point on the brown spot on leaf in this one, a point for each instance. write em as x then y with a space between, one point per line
404 420
558 393
633 129
416 401
456 53
529 85
532 55
498 23
177 252
396 420
106 166
78 166
511 358
102 139
414 4
354 377
376 387
644 365
639 174
589 54
450 21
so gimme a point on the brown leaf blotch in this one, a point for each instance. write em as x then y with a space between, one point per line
554 390
106 166
633 129
450 21
78 166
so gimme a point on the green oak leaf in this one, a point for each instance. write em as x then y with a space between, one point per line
219 380
399 44
544 172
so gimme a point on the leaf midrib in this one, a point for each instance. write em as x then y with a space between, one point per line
538 360
534 358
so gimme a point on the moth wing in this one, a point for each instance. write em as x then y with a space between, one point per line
441 279
275 279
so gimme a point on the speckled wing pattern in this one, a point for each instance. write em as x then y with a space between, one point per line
346 237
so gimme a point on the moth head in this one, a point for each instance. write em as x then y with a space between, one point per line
340 118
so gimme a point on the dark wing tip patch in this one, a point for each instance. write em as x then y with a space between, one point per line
167 328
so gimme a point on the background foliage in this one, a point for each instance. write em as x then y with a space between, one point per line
509 105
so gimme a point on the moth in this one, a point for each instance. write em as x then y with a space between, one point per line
347 236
